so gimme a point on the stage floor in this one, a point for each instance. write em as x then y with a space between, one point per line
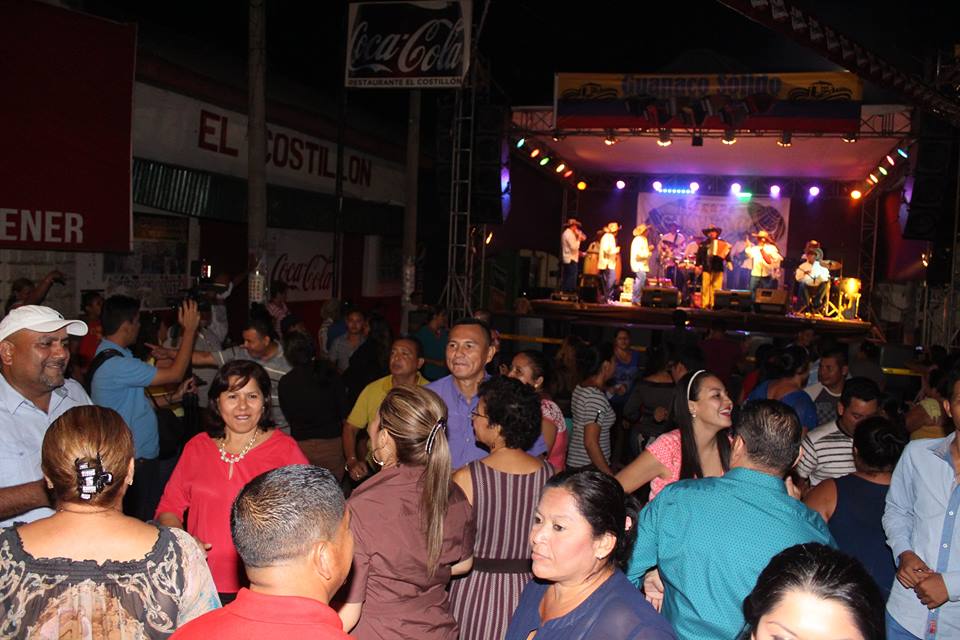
621 314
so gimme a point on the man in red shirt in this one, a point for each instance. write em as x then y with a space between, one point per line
292 530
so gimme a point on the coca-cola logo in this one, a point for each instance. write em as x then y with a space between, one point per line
433 46
314 275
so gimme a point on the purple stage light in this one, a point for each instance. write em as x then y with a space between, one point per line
814 191
621 184
775 191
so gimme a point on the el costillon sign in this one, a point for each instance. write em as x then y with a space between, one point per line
408 44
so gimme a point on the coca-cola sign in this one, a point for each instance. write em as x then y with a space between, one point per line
408 44
304 261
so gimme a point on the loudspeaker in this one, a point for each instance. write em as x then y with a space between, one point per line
660 297
734 299
934 171
770 301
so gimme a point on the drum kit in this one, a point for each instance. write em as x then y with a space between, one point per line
843 294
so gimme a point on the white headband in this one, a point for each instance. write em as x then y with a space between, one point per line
692 378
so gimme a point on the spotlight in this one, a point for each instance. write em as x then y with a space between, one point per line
520 142
545 161
657 186
774 191
735 188
697 140
581 185
851 286
621 185
853 136
694 187
610 140
489 238
856 194
568 173
729 136
557 136
890 160
903 154
882 170
535 153
786 139
874 179
560 167
664 138
814 191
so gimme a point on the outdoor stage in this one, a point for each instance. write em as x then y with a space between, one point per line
623 314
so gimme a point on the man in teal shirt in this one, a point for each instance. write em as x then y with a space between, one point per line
710 538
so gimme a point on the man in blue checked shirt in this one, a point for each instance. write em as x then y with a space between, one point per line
711 537
920 522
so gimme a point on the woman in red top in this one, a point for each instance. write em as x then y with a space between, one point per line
239 445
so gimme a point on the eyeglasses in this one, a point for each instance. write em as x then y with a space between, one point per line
477 414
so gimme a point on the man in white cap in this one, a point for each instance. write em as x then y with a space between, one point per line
34 352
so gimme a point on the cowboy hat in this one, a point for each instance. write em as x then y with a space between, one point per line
573 222
762 234
640 229
713 227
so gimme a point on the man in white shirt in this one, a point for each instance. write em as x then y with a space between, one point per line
766 260
813 278
639 260
607 262
570 241
34 350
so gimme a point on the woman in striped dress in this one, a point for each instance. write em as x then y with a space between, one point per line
503 489
593 417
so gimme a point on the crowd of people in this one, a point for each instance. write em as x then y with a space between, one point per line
436 485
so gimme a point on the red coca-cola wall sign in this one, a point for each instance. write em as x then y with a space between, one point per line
303 260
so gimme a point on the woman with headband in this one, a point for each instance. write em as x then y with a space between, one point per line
698 448
88 571
412 526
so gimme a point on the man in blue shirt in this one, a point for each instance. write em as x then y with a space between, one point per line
120 383
34 351
469 349
919 520
710 538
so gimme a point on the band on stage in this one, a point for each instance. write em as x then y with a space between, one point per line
697 268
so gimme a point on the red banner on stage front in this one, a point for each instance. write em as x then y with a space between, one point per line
67 80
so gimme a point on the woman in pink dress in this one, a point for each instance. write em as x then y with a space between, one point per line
699 448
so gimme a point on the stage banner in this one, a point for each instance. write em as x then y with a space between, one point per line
303 260
688 215
408 45
823 102
66 114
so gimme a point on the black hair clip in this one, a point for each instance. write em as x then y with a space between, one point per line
91 479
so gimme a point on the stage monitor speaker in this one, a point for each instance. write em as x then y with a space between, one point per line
660 297
770 301
733 299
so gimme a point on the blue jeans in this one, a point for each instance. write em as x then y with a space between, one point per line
568 276
639 280
762 282
895 631
609 283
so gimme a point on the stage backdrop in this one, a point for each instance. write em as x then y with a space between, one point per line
691 213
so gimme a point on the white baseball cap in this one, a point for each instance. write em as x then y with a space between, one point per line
38 318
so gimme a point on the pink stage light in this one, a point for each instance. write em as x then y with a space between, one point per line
621 185
775 191
694 187
657 186
814 191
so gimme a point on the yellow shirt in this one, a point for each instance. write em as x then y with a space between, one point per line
370 399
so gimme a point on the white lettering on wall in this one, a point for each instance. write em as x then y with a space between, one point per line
41 225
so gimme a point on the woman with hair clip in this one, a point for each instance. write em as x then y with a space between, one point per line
581 537
787 371
240 444
413 528
699 448
811 591
532 368
88 571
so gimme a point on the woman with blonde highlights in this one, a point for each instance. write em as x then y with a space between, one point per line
88 571
400 571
